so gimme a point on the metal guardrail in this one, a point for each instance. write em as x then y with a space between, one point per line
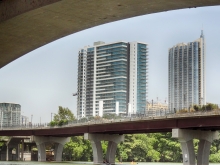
136 117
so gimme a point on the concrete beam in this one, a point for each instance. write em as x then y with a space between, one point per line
106 137
186 134
44 139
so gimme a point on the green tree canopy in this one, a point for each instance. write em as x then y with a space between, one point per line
64 114
62 117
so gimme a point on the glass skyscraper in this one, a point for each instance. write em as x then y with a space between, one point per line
187 75
112 78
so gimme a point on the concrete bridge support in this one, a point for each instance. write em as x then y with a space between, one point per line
59 143
14 143
186 137
96 139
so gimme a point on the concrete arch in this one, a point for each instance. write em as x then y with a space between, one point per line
28 25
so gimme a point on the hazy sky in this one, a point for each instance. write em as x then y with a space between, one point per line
45 78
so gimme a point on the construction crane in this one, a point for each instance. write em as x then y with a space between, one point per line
75 94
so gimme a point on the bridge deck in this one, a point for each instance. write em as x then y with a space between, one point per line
202 121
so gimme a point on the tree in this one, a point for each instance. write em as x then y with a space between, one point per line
63 116
3 140
211 106
110 116
78 149
196 107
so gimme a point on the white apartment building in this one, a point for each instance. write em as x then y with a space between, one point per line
187 75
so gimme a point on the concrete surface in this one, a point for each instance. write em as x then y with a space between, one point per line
29 24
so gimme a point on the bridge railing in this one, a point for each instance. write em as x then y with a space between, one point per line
133 117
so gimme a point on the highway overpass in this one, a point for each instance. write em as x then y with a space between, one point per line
196 121
185 127
26 25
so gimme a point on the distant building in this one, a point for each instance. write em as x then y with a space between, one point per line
187 75
10 114
154 106
24 120
112 78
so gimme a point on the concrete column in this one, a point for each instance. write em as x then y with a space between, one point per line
186 137
58 152
7 150
22 150
41 152
96 139
111 151
42 140
188 152
205 140
97 151
9 153
203 152
18 152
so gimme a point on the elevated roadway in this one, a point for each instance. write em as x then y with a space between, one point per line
26 25
191 121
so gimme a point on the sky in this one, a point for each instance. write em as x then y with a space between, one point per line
45 78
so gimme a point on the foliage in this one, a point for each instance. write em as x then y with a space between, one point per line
152 147
110 116
182 111
3 140
196 107
63 116
83 120
77 149
207 107
213 158
211 106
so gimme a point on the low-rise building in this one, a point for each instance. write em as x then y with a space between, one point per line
156 106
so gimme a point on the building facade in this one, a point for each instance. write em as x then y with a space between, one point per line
24 120
112 78
156 106
187 75
10 114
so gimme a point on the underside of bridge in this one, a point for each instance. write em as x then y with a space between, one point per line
26 25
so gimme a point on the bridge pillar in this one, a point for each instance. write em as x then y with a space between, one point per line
13 143
59 143
96 139
59 148
186 137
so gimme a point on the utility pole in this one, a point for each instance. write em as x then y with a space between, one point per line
31 120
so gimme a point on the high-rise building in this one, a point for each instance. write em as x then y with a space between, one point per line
10 114
112 78
187 75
